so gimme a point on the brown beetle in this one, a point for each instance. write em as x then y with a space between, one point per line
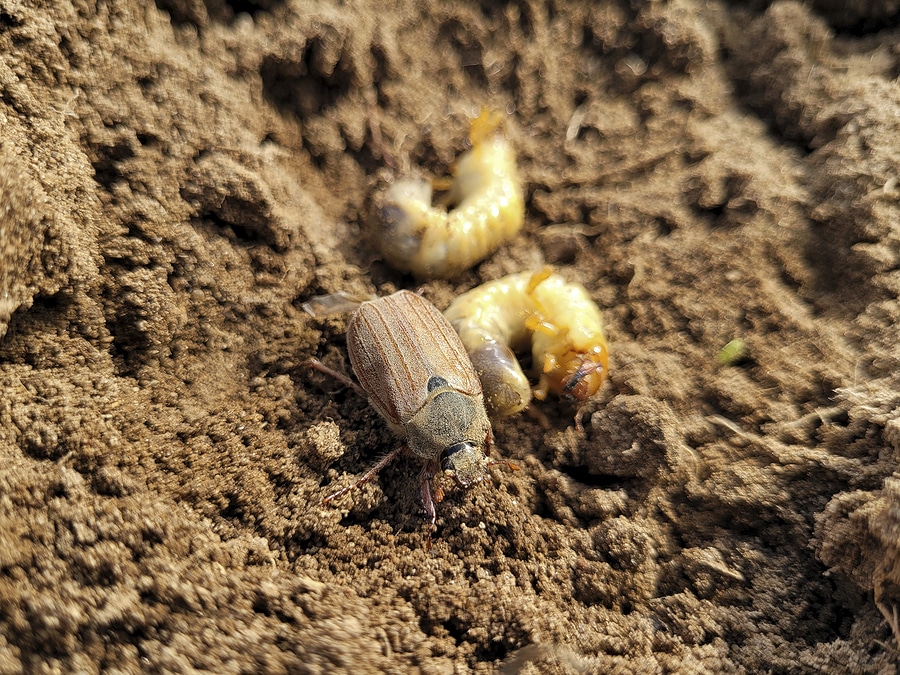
415 372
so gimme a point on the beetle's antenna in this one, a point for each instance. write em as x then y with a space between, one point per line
512 466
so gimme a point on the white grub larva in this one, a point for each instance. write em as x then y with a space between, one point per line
431 242
556 318
415 372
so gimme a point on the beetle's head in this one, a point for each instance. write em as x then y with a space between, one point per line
465 462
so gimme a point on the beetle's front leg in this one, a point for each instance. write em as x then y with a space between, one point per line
428 500
426 496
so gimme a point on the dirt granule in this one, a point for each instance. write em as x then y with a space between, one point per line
177 177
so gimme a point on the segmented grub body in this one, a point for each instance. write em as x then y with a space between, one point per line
555 318
430 241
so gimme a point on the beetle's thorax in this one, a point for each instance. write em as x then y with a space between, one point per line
450 420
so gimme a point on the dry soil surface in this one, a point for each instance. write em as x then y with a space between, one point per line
177 177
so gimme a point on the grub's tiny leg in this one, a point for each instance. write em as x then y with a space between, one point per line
579 416
340 377
538 416
542 388
538 278
369 475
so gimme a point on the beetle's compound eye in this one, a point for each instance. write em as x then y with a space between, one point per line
448 457
465 462
436 382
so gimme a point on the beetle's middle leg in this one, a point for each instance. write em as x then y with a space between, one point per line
336 374
367 476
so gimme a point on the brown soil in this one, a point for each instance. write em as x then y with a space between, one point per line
177 178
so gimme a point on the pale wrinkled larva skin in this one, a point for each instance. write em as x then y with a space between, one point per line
431 242
490 321
560 321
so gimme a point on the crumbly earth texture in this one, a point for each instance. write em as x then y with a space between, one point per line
177 177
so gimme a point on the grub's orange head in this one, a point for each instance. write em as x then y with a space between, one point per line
580 374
